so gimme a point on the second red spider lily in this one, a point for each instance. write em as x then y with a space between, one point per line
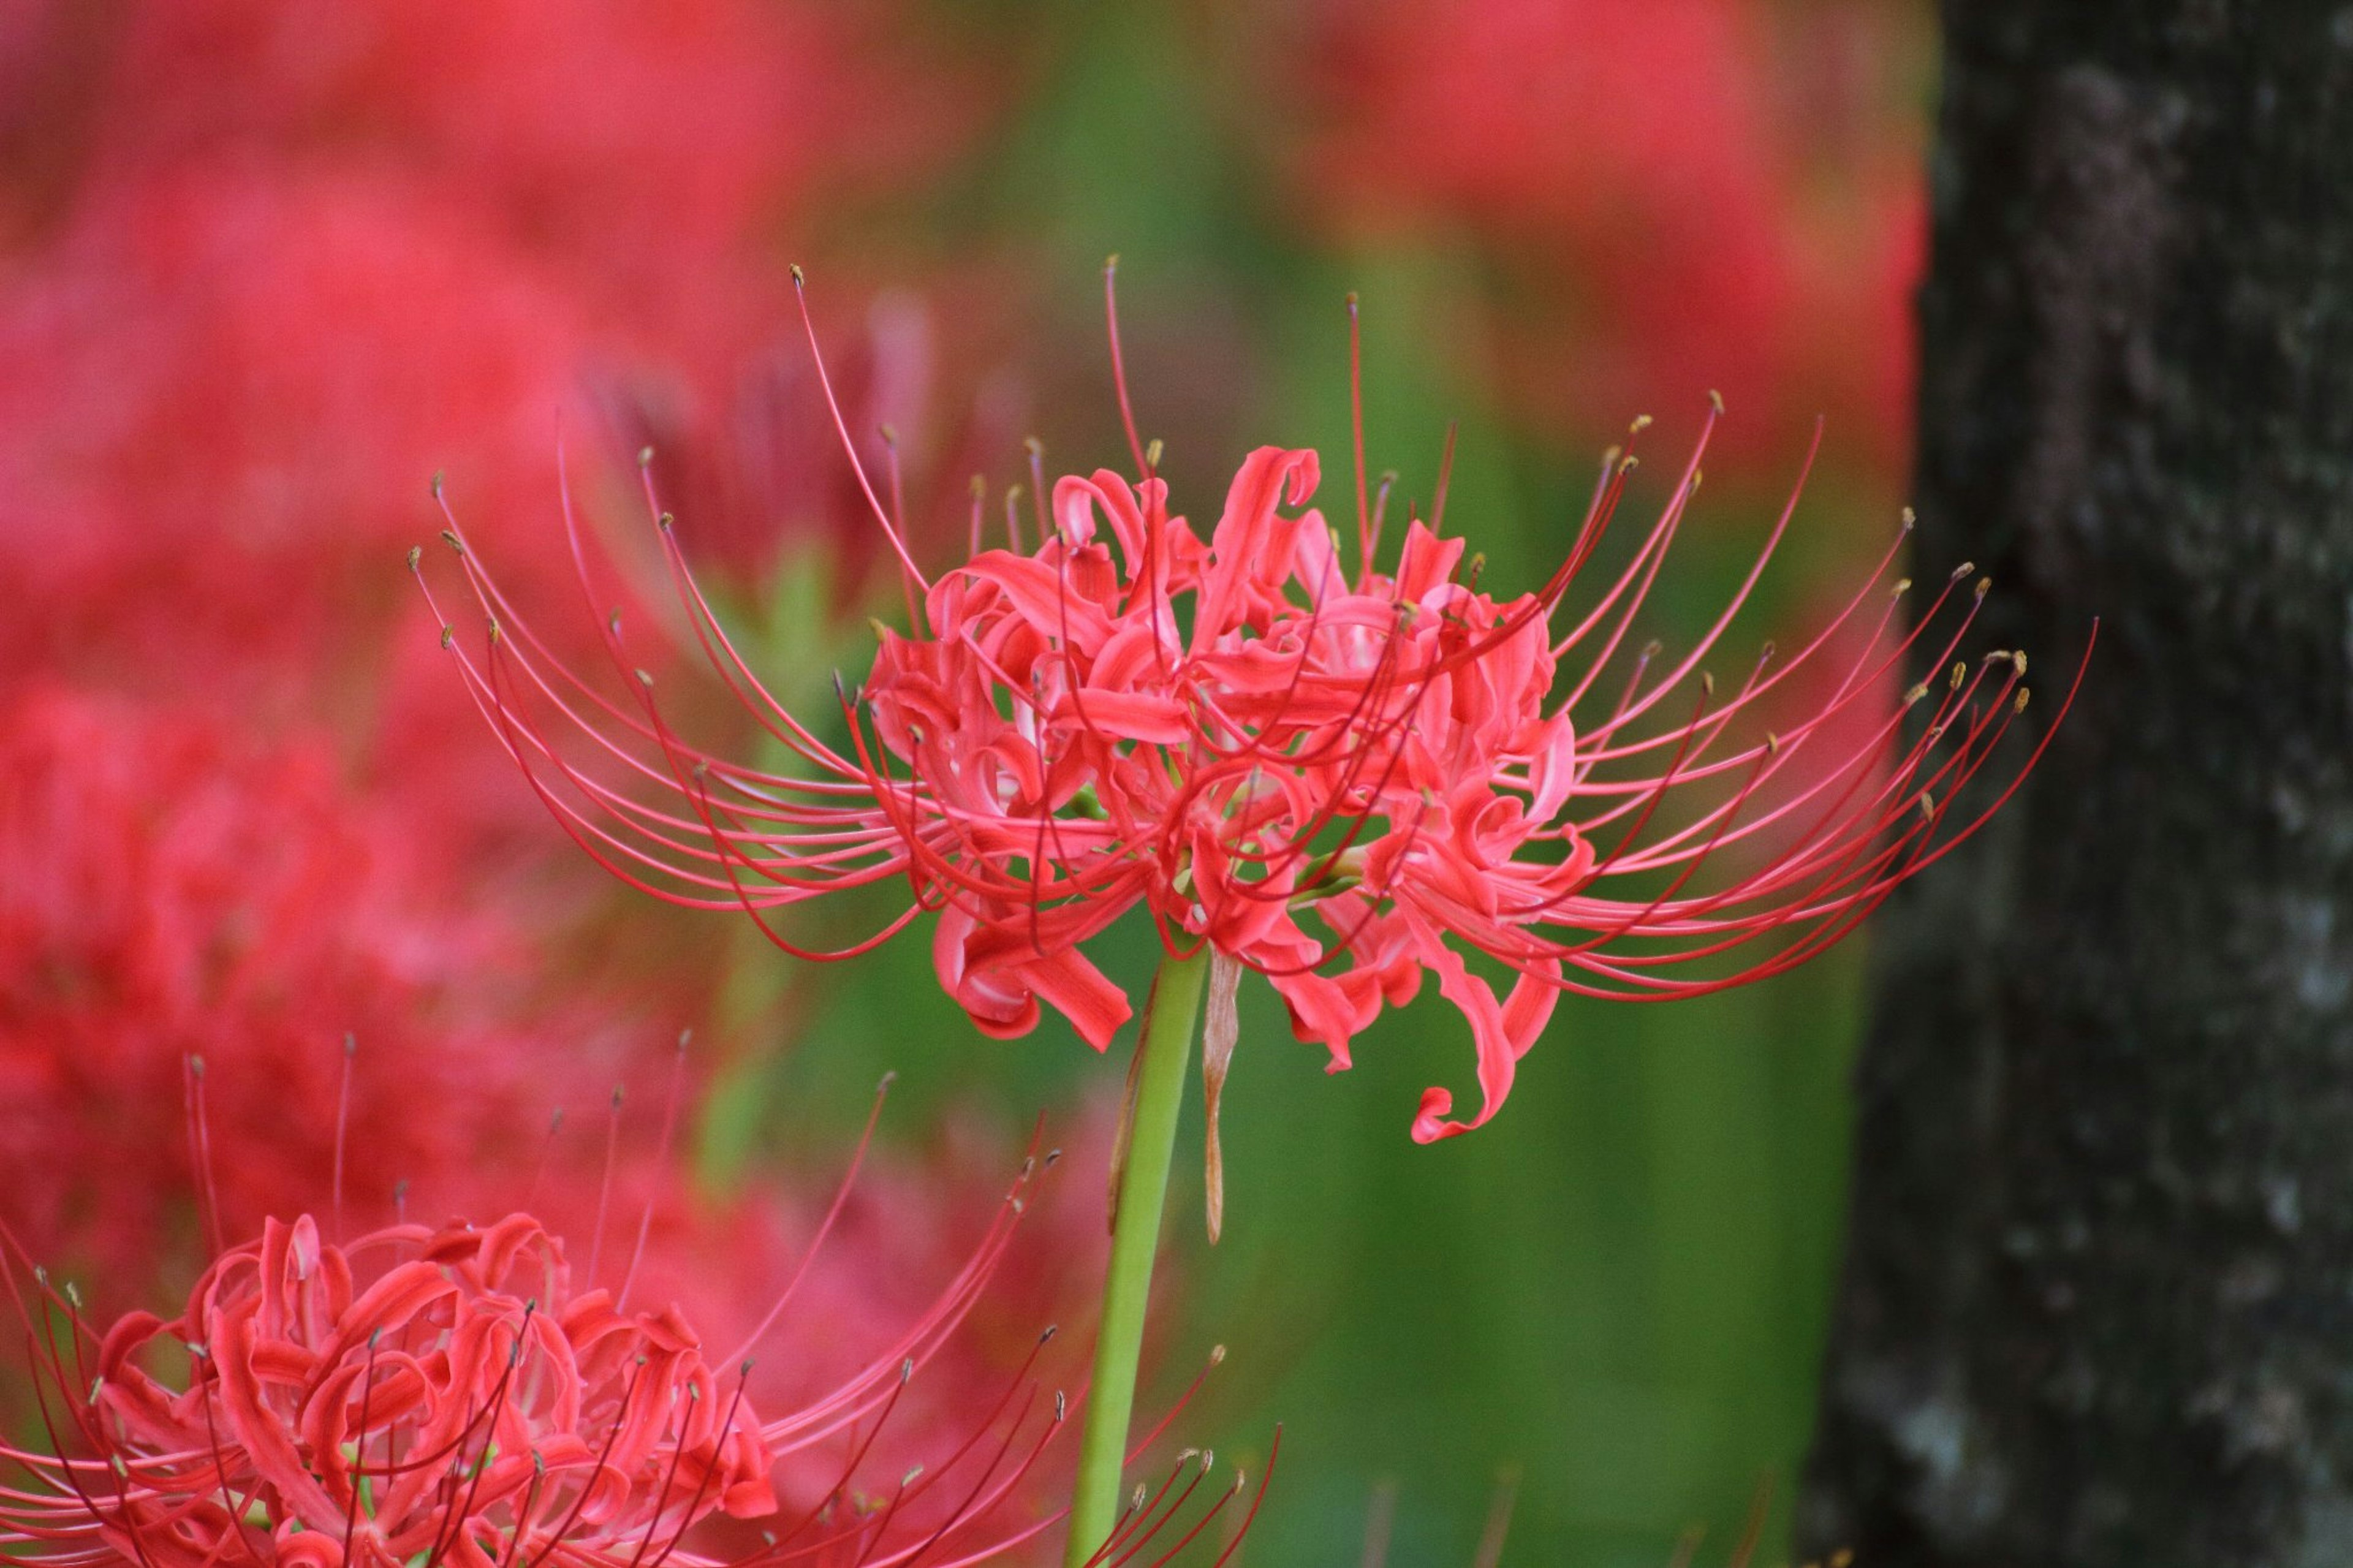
1341 774
417 1395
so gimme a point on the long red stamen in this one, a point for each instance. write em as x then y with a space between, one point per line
1118 366
661 1160
849 447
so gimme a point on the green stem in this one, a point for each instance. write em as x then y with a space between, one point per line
1166 1048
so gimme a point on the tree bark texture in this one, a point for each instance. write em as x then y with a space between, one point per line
2098 1306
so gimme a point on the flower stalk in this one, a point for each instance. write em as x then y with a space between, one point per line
1139 1193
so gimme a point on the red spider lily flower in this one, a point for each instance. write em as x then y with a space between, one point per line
884 1239
1247 732
171 890
422 1395
213 385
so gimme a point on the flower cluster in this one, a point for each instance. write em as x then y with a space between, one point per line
1244 732
282 262
476 1395
173 892
640 144
461 1402
447 1395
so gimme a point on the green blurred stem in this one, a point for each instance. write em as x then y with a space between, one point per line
1164 1051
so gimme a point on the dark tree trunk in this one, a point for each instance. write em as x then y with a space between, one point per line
2099 1303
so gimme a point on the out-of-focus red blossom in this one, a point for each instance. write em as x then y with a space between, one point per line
1687 194
285 261
170 890
1245 731
643 142
860 1260
749 464
490 1395
223 396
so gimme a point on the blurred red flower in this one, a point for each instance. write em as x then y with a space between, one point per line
856 1258
170 892
276 264
1683 193
304 256
747 457
222 400
637 143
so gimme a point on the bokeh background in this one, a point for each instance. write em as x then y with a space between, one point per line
267 265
